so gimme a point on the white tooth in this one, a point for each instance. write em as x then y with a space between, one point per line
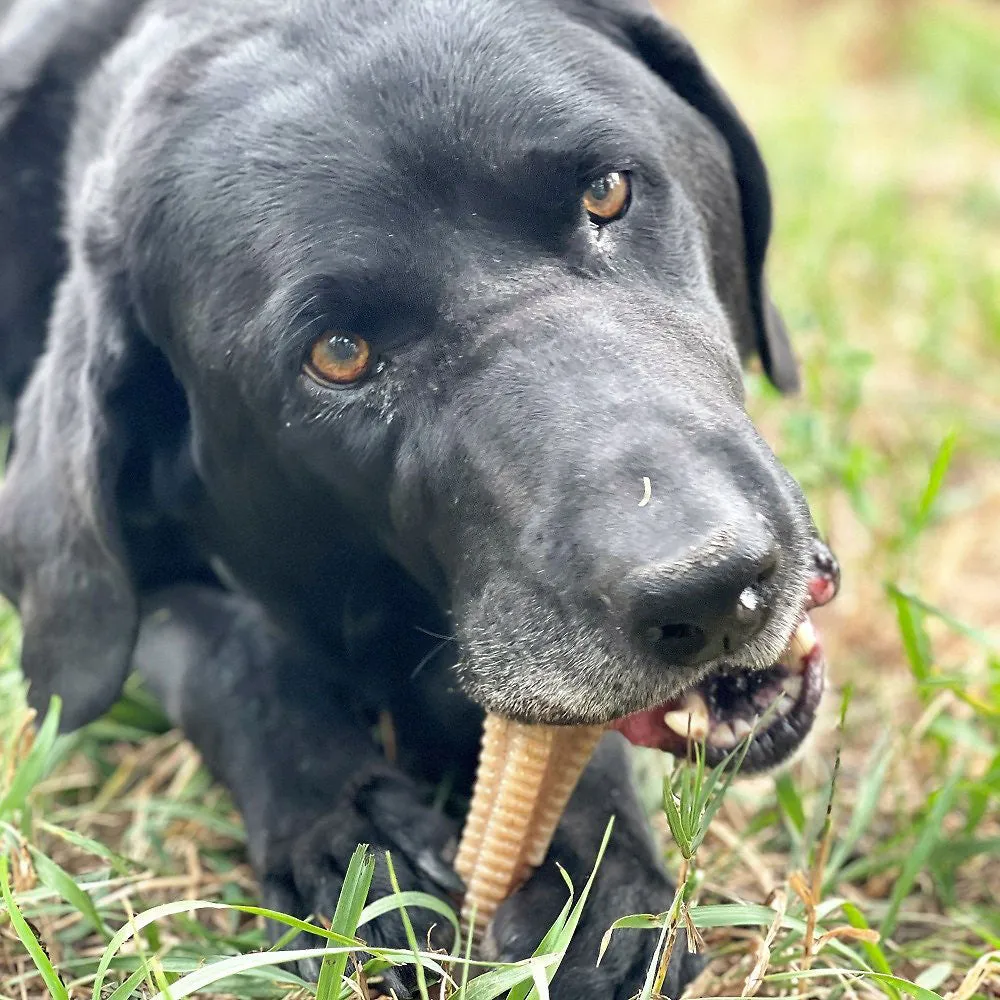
691 719
791 662
741 728
785 705
804 640
795 657
792 687
722 736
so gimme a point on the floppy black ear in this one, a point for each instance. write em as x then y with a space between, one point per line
670 55
62 560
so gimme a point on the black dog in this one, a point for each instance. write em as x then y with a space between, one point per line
391 369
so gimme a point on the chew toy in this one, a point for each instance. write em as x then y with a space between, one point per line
525 778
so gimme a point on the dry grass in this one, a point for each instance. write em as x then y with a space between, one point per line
881 122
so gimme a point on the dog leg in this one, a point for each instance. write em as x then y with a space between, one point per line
274 723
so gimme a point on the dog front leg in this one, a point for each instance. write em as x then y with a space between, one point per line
274 723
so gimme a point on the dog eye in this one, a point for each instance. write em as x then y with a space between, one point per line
607 198
338 359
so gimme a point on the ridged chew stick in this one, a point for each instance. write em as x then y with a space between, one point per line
525 778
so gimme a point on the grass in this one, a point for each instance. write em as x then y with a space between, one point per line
872 868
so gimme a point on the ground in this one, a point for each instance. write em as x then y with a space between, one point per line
880 120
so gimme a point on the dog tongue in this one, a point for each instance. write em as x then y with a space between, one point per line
647 729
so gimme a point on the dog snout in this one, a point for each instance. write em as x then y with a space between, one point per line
708 602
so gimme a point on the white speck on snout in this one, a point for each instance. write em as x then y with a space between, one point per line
647 491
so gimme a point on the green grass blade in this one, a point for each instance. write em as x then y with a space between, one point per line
790 802
156 913
865 806
195 982
931 834
653 969
876 957
792 811
121 864
916 644
932 489
34 766
676 823
421 900
498 981
411 937
903 985
988 640
506 978
549 945
32 945
128 986
635 922
565 935
59 881
755 915
350 903
935 975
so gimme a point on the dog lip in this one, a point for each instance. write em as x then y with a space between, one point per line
780 717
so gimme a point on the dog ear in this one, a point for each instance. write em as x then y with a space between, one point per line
62 557
672 57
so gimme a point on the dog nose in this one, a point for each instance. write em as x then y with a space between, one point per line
707 605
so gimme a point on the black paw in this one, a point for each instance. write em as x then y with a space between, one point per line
624 886
304 876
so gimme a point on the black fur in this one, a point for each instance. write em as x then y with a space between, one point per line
191 193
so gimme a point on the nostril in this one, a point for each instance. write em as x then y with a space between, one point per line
706 605
675 639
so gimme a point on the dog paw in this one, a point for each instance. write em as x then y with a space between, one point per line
624 886
305 875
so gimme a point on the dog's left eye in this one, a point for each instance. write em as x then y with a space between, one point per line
607 198
338 359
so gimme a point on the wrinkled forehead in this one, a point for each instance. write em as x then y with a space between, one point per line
447 116
462 100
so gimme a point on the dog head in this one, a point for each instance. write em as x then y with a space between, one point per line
467 285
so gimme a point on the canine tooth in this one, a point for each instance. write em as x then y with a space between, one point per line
792 687
722 736
691 718
785 705
741 728
804 640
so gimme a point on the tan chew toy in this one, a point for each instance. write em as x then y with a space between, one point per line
525 778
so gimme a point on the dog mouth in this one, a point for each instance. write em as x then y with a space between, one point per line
775 707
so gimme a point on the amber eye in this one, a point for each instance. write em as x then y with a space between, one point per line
606 199
338 358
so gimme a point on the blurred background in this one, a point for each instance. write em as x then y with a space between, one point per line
880 122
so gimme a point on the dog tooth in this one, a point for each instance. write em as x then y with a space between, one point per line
804 640
796 656
741 728
785 704
691 719
792 687
722 736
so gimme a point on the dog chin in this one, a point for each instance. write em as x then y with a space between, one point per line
539 669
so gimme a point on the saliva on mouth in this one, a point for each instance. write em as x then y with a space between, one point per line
774 708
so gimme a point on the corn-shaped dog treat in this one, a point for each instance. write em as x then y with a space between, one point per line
525 778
